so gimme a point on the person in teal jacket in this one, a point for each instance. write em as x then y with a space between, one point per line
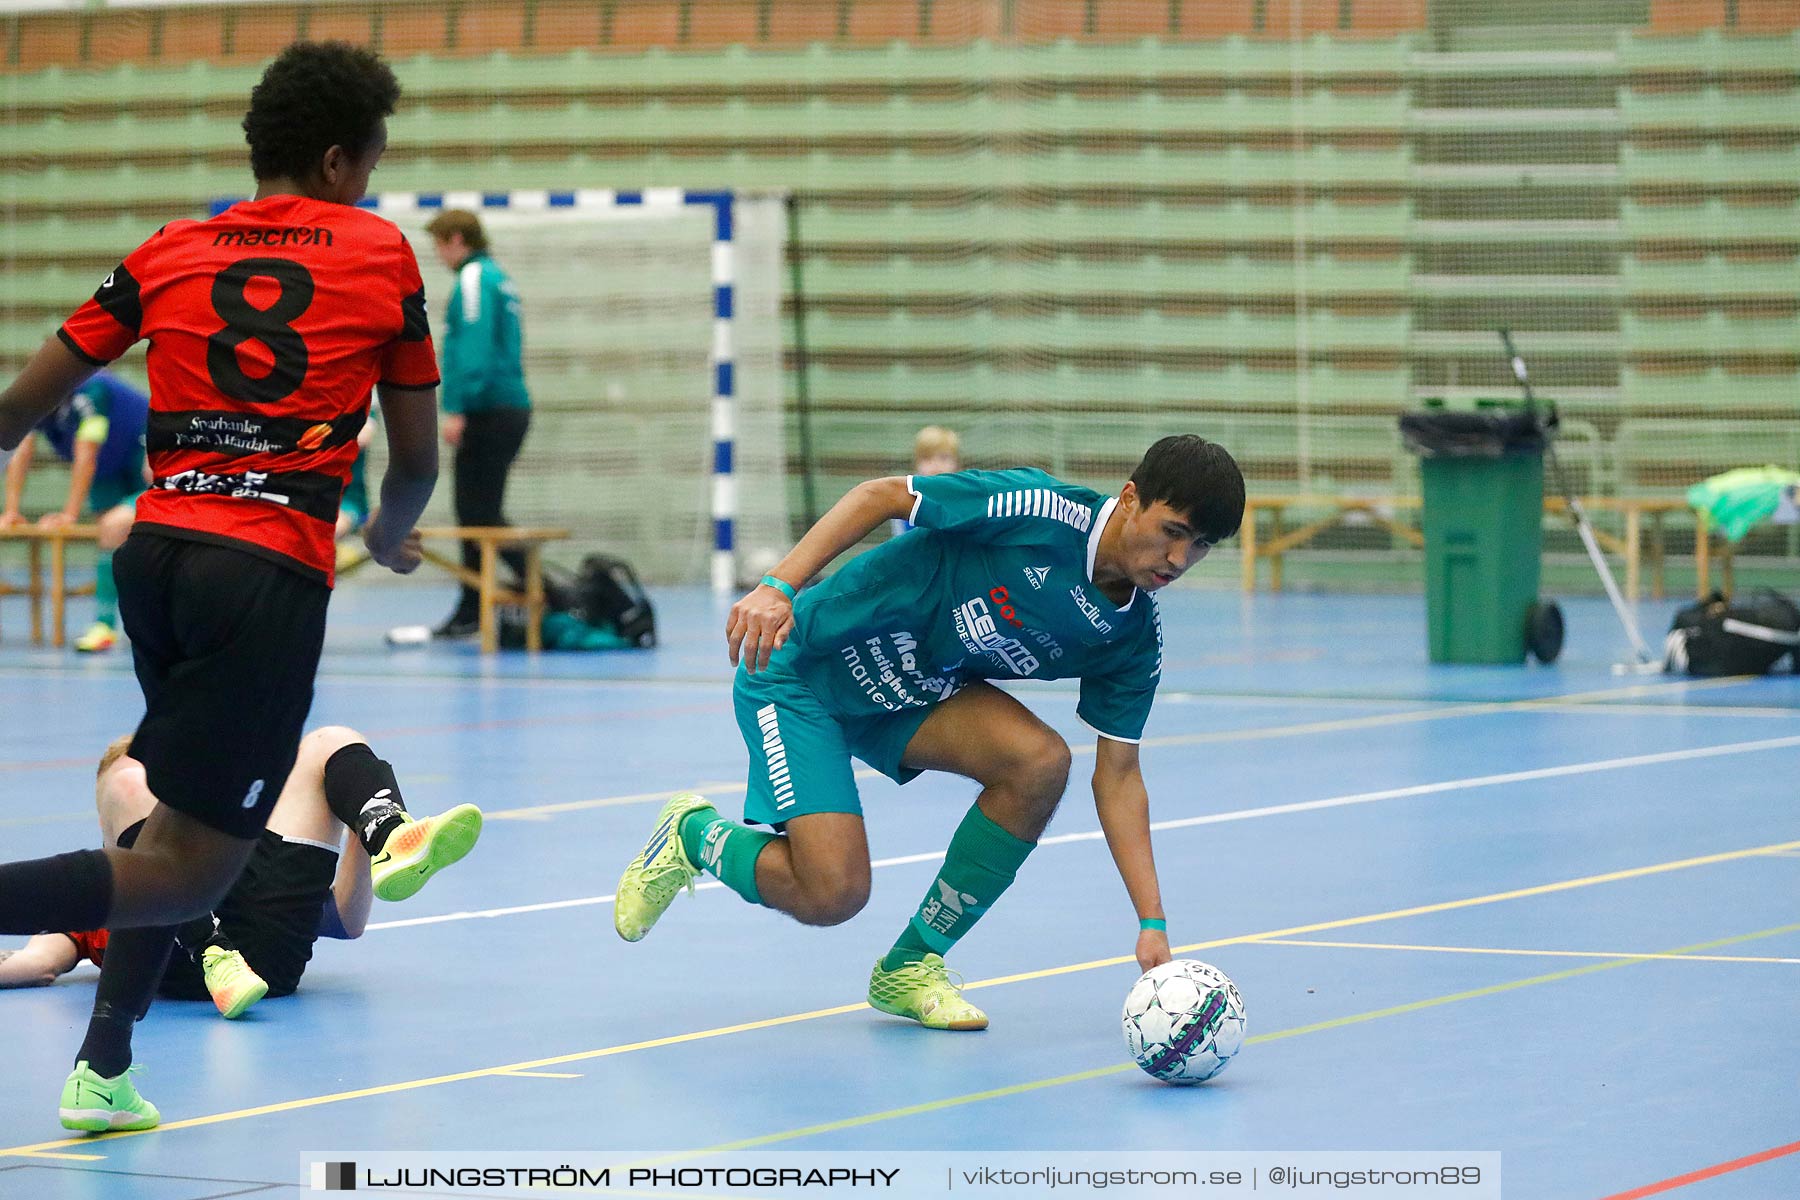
487 409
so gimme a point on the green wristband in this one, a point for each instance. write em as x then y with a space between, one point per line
1156 923
780 585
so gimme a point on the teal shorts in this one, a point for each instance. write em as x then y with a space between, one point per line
355 503
356 510
800 752
123 486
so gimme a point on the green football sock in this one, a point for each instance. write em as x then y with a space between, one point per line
980 864
106 592
726 850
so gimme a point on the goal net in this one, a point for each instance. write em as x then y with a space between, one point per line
652 351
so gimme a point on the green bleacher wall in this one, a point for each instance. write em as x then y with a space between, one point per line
1064 228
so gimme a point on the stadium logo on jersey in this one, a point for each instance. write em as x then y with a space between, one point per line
1035 576
1090 610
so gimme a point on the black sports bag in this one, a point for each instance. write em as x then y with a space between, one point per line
608 595
1746 636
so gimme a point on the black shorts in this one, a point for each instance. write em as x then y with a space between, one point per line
271 914
226 645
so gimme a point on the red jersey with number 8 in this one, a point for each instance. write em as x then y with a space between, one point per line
268 326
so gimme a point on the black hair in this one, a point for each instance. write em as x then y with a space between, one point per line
314 96
1196 478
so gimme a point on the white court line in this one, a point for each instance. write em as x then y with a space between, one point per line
1572 703
1243 814
1635 956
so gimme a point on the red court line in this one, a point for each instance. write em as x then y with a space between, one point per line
48 764
1724 1168
611 714
585 718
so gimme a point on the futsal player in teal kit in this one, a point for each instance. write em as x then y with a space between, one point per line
99 432
1007 575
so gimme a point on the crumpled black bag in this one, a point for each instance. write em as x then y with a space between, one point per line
1483 433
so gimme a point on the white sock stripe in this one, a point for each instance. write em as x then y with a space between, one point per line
300 841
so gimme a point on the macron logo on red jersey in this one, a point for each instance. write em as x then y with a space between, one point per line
315 236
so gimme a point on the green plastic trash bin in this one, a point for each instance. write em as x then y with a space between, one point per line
1482 473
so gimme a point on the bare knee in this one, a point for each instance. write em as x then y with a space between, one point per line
180 868
317 747
1039 772
210 877
213 890
114 527
831 895
1021 792
161 887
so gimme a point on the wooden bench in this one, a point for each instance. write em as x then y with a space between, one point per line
1630 546
490 540
57 587
1336 508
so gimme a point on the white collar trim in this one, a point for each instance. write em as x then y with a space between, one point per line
1100 519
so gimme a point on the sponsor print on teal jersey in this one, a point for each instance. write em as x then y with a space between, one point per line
994 582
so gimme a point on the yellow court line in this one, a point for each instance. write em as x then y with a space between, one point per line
817 1014
1664 710
1542 889
388 1089
70 1157
1573 701
932 1106
1638 956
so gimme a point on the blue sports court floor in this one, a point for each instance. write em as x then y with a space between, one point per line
1549 912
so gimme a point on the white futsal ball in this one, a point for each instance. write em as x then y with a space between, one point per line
1184 1021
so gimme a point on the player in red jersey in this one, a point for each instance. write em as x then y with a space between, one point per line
269 326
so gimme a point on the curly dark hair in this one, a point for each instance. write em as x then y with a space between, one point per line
314 96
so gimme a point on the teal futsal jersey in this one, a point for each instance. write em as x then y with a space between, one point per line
994 582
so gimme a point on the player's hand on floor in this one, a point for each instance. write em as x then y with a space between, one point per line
402 557
55 520
758 626
11 520
1152 949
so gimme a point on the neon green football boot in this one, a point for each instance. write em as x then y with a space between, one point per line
420 849
923 991
99 638
231 982
659 871
95 1104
